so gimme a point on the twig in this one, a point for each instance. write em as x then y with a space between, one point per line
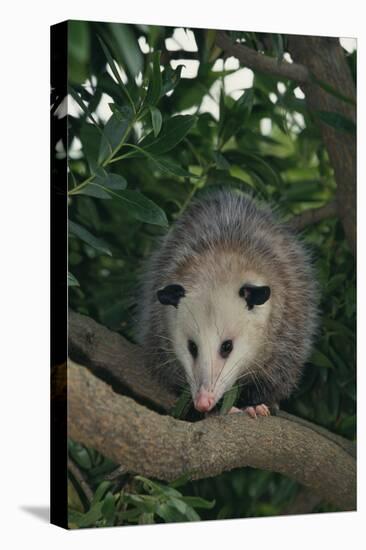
315 215
260 62
79 477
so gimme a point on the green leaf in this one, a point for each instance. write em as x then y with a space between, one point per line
142 208
82 105
337 121
128 50
146 518
101 491
182 480
184 509
110 180
169 513
229 399
130 515
78 51
93 190
114 70
172 133
245 101
90 138
119 111
158 488
171 78
162 163
181 406
220 160
88 238
81 456
338 327
72 280
88 519
156 120
320 360
198 502
109 507
166 165
234 119
156 83
115 133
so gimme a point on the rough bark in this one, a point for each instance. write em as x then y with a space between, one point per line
314 215
166 448
325 60
260 62
106 352
318 59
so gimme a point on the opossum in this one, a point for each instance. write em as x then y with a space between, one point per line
229 297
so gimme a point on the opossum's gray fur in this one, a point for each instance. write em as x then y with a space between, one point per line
227 219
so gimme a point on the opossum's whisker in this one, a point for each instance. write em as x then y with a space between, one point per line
227 375
220 372
165 338
265 372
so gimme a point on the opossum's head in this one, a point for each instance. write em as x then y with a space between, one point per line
217 334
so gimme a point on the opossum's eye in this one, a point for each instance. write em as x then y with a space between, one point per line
226 348
255 295
170 295
193 349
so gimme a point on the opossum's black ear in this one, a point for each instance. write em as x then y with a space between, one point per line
170 295
255 295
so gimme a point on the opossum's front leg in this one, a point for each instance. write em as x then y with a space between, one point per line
253 411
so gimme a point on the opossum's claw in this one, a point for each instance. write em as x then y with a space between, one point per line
262 410
253 411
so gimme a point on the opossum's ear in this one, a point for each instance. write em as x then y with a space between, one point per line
170 295
255 295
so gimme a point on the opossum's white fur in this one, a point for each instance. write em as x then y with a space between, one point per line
220 243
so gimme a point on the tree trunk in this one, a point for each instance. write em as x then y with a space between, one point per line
324 57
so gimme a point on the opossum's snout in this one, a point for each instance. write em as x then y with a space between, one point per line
204 400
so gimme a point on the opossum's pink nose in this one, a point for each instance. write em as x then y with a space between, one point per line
204 400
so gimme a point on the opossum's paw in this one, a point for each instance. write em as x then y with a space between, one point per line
254 411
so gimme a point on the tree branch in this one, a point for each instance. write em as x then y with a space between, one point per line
315 215
321 59
260 62
79 477
165 448
107 353
325 59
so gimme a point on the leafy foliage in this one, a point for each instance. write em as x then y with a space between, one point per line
143 141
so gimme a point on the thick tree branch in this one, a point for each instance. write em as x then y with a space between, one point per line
107 353
166 448
315 215
260 62
96 416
